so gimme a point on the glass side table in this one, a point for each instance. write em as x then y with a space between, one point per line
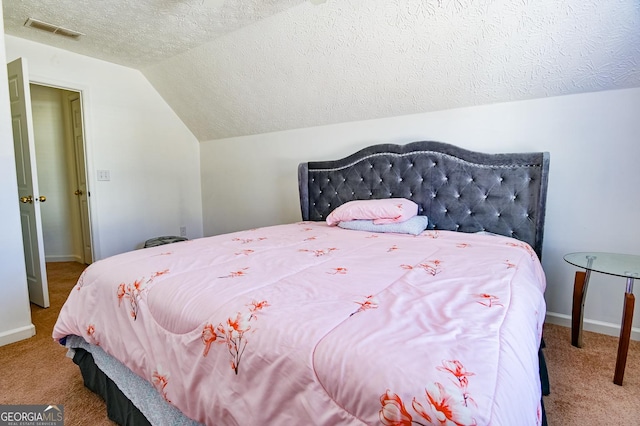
621 265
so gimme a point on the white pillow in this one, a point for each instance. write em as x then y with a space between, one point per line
413 226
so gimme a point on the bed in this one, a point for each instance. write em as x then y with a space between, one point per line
307 323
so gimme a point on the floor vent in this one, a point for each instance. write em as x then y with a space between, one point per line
51 28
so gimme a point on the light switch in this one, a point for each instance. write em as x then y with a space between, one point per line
104 175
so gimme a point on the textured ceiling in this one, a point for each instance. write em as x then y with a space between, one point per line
136 33
252 66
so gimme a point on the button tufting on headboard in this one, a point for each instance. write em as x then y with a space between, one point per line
455 188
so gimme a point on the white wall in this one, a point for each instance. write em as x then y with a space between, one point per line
15 316
593 198
153 159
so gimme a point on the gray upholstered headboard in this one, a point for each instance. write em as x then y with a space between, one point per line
456 189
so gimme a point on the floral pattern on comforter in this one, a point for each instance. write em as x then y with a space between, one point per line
310 324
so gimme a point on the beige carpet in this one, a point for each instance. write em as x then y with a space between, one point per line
582 388
36 371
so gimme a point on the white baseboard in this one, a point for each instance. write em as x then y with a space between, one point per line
70 258
601 327
17 334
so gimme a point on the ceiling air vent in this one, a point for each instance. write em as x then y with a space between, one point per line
51 28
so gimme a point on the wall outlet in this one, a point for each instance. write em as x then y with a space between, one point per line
183 231
104 175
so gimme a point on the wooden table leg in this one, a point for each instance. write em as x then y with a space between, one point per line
625 336
579 295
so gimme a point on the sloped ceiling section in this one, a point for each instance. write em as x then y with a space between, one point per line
239 67
348 60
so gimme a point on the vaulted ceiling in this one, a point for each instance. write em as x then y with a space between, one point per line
238 67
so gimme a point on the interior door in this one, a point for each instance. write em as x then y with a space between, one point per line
82 192
30 198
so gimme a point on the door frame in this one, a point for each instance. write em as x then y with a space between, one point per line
85 105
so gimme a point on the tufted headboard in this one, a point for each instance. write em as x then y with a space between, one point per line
456 189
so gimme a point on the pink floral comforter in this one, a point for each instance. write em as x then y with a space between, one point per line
306 324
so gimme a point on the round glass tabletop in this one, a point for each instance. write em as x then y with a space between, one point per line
622 265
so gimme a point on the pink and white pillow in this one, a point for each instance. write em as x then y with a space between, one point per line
388 210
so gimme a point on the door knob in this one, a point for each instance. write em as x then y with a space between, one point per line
42 198
78 192
27 199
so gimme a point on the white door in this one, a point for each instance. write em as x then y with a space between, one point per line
81 191
30 198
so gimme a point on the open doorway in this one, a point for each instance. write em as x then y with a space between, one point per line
61 170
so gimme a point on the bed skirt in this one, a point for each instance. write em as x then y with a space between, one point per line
130 400
119 408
